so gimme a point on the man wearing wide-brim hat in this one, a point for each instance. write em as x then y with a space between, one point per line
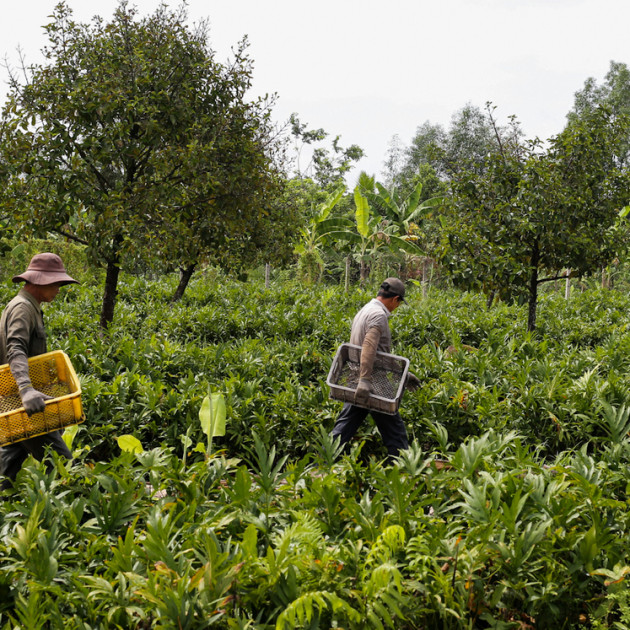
23 335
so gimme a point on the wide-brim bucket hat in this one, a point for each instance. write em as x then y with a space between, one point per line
45 269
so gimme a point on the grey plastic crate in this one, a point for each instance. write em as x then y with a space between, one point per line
388 378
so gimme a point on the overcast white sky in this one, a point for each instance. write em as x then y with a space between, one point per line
370 69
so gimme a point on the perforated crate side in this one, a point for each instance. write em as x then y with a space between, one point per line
53 374
388 378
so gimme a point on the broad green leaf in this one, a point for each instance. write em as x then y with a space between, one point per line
618 573
334 224
212 415
18 250
250 540
414 197
425 208
406 246
351 237
69 434
362 213
386 198
326 207
130 443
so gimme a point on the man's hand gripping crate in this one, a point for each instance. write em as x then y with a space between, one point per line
52 374
388 378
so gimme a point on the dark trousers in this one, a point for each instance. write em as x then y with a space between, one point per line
391 428
13 456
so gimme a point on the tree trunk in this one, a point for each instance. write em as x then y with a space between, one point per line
533 290
567 285
184 279
363 275
490 299
347 280
110 293
425 278
111 283
267 275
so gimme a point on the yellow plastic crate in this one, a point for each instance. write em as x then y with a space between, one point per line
52 374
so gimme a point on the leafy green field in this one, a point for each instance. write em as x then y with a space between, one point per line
509 510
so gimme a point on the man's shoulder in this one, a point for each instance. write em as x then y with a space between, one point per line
21 298
373 311
21 303
375 306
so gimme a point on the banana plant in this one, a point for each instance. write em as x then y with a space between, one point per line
404 213
371 233
310 250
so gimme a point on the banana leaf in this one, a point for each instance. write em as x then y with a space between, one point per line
362 213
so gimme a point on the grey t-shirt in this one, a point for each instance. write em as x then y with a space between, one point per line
374 313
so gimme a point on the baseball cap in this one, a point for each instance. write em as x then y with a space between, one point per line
395 286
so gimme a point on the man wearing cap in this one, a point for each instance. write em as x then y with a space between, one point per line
370 330
22 335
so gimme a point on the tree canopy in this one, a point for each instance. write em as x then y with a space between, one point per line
134 139
326 166
464 145
532 212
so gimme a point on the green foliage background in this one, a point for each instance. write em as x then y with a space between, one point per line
510 507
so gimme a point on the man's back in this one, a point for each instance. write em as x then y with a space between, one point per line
373 314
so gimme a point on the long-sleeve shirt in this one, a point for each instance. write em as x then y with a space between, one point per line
22 332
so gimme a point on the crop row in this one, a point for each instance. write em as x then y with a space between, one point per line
509 510
269 351
493 539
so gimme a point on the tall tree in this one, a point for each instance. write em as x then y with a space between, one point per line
133 139
394 162
426 148
469 138
327 166
471 135
530 212
613 93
